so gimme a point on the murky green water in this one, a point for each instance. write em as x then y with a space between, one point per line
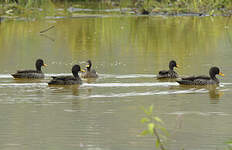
105 114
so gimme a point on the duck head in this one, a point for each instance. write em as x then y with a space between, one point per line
75 70
89 65
215 71
39 63
173 64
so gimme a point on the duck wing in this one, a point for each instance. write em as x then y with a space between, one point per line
64 78
163 72
194 80
27 71
89 74
93 71
167 74
94 74
28 74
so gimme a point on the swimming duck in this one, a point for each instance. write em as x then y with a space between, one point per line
36 74
169 73
143 11
202 80
89 73
68 80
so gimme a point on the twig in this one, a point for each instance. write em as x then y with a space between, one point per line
47 29
158 139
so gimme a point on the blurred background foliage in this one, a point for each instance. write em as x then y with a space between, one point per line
41 8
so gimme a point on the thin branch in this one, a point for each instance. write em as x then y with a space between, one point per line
47 29
158 139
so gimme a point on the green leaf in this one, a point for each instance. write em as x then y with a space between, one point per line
164 130
229 142
151 127
148 113
151 109
144 132
157 143
211 12
158 120
145 120
145 111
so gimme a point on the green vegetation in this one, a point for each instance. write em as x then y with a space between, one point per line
29 8
41 8
229 145
209 7
154 127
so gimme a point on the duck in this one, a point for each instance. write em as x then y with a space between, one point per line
90 73
68 80
202 80
142 11
145 12
31 74
164 74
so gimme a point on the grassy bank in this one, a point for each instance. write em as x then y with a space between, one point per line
41 8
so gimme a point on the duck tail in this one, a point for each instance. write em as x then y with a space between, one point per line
15 75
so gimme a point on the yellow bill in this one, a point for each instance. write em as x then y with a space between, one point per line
45 65
221 74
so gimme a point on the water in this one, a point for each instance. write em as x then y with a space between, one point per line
127 52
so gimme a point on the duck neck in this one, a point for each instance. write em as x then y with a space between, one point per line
38 68
89 68
215 79
171 67
76 75
213 76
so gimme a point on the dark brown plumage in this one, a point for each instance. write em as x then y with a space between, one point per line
90 73
68 80
202 80
33 74
164 74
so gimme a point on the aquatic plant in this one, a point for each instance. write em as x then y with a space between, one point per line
154 127
229 145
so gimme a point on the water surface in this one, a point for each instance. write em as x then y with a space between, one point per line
127 52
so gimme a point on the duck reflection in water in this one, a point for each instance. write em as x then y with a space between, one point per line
89 81
214 94
66 90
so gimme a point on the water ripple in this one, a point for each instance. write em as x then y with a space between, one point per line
130 84
5 76
22 84
57 74
126 76
198 113
147 93
101 75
